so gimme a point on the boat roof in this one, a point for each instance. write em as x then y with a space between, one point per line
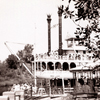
76 48
76 39
80 68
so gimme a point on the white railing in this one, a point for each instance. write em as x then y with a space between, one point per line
67 90
70 56
79 57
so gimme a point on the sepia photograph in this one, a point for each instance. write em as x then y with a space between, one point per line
49 50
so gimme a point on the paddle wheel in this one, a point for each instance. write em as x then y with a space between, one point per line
84 82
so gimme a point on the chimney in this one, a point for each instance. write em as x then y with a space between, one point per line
60 30
49 33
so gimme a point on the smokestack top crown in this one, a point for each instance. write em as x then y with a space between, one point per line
60 11
49 18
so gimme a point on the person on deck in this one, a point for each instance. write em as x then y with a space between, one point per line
78 88
86 88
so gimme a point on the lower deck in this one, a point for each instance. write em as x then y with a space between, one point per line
64 86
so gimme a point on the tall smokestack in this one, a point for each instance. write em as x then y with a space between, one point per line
60 30
49 32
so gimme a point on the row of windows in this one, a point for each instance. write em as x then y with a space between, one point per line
52 66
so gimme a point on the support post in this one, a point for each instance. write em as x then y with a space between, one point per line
49 88
32 78
63 85
35 74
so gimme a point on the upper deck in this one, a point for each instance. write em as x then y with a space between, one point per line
69 56
51 65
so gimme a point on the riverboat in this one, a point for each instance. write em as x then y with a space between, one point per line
55 68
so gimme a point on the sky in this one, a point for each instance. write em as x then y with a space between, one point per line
25 22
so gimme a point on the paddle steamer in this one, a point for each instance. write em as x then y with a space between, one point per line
54 68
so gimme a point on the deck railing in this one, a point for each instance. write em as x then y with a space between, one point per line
70 56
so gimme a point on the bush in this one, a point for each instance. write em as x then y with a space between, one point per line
11 74
2 78
12 61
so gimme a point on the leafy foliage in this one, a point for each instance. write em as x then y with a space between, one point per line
3 69
6 74
12 61
10 76
12 71
86 10
26 53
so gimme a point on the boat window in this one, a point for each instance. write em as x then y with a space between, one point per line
81 81
38 66
72 65
84 52
43 65
66 83
89 51
76 51
58 65
72 82
50 66
69 56
59 82
65 66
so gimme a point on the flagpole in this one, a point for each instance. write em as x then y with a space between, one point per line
35 81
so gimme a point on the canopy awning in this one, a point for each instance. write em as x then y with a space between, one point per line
85 67
80 68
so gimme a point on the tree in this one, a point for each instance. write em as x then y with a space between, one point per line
87 11
26 53
3 69
12 61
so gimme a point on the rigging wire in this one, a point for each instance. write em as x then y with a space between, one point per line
18 58
18 43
